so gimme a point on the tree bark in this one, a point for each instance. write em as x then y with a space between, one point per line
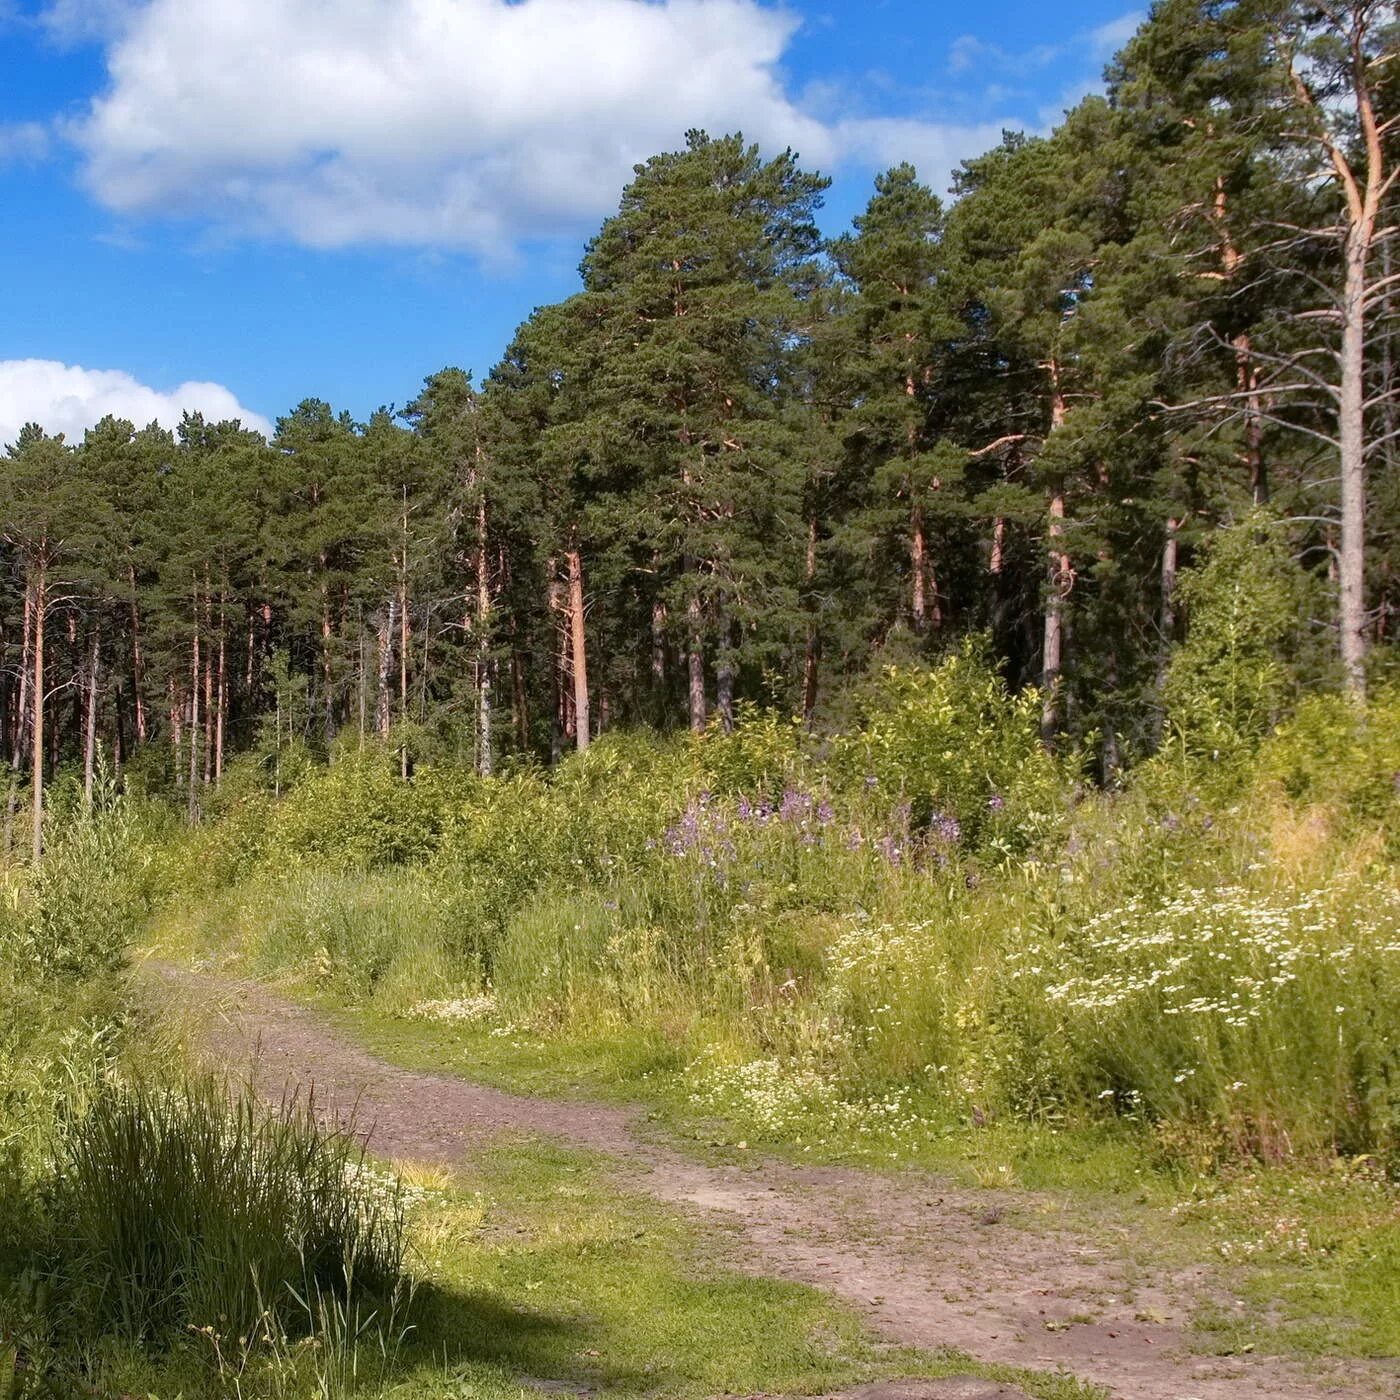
138 664
220 700
578 651
811 661
695 664
21 722
485 754
724 688
1352 438
193 795
384 660
36 700
918 605
1060 580
90 721
327 666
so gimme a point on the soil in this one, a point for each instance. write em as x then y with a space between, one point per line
928 1263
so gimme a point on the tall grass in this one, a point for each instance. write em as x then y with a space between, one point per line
923 921
181 1218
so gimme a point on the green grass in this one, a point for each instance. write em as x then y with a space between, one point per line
533 1267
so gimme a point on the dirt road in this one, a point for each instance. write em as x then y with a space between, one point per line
929 1264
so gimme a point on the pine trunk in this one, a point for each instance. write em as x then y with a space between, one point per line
384 660
221 701
811 660
1171 550
21 722
138 664
1352 436
90 722
485 753
195 678
1052 646
695 663
36 701
578 652
918 605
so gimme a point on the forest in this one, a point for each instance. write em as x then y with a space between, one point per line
747 466
833 819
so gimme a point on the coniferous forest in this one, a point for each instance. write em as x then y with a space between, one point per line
746 465
833 818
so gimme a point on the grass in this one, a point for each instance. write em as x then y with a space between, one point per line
920 944
179 1220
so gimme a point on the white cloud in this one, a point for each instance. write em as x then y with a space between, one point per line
23 142
82 21
69 399
968 53
934 149
455 123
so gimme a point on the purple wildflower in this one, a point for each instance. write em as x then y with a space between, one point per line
889 848
825 815
945 828
996 802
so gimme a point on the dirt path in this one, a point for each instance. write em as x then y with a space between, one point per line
929 1264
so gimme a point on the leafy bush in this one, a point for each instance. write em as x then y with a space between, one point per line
956 745
1333 751
85 902
1229 682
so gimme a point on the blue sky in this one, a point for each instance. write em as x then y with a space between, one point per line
237 204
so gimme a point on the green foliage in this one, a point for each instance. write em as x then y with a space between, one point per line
1229 682
1333 751
953 741
85 902
968 931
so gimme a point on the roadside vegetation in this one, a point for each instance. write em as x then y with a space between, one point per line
923 942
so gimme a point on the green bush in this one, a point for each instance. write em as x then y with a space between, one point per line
957 745
1334 751
1230 682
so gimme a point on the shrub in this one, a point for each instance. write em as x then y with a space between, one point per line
1229 682
1336 752
956 745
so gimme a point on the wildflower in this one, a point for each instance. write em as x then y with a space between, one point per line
889 848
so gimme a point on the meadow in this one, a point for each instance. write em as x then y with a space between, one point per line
920 942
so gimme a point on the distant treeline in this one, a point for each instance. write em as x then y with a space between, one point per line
746 464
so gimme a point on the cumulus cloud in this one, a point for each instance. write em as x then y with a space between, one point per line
69 399
457 123
81 21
